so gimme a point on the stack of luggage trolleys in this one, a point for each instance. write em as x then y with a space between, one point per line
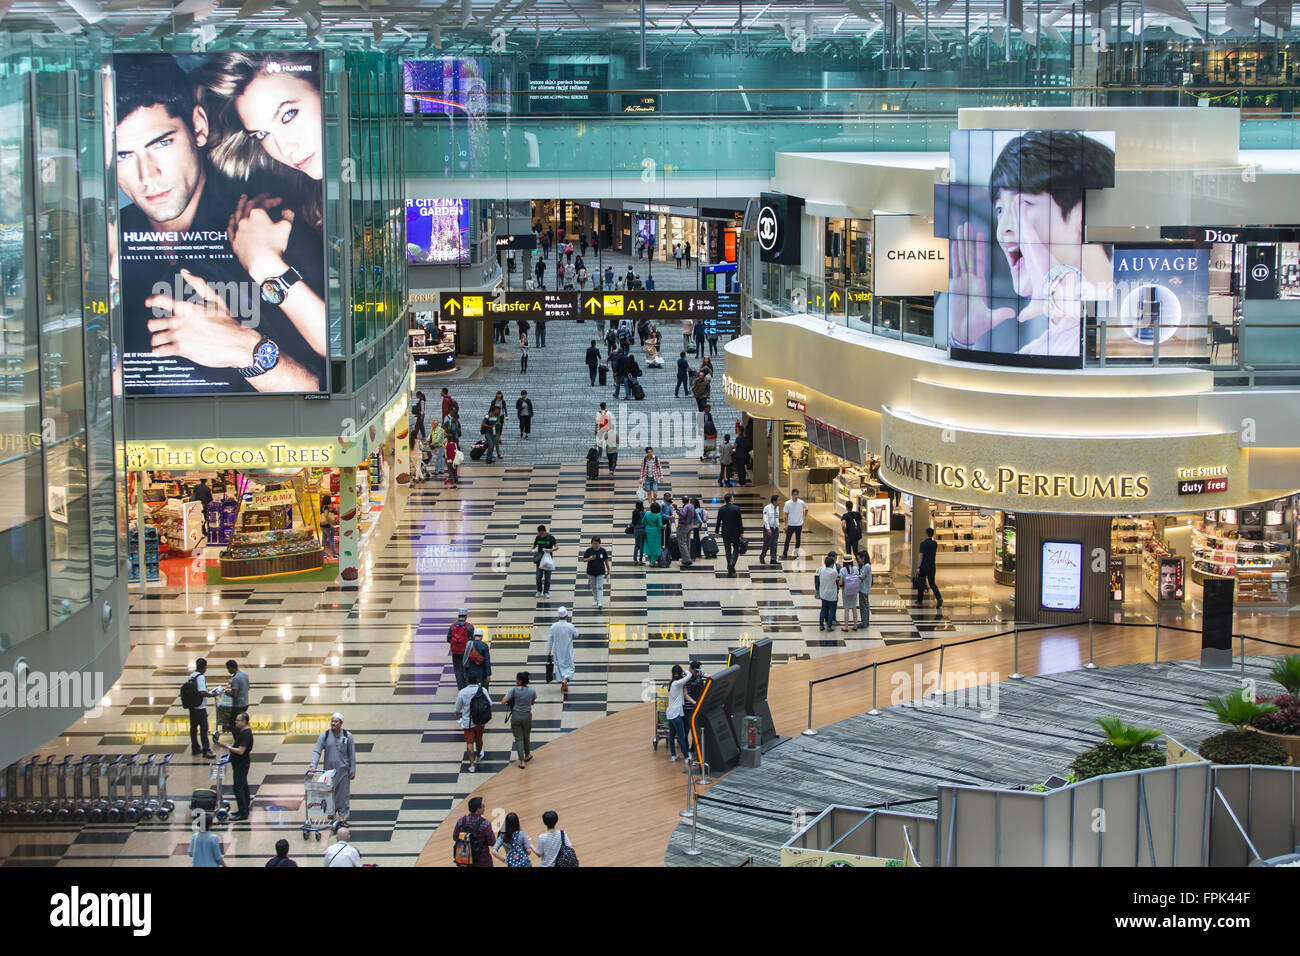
95 788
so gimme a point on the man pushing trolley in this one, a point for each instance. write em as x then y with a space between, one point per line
336 750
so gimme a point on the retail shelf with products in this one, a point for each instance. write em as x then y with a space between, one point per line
180 524
1004 547
1128 537
963 534
853 483
1256 545
272 537
151 570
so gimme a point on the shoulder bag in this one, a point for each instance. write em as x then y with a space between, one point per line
566 856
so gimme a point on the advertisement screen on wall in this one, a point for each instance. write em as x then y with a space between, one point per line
437 231
1159 293
1019 272
559 86
220 295
1062 576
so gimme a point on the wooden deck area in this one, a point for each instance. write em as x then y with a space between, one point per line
619 800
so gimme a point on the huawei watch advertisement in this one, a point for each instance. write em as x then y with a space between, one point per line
220 256
1019 271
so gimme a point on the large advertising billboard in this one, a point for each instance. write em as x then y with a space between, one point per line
1062 576
1160 293
220 249
1019 272
437 230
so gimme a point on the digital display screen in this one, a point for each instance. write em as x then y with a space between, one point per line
1171 579
1062 576
1161 293
1019 271
220 296
437 231
559 87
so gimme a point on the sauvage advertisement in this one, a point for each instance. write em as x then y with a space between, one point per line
219 160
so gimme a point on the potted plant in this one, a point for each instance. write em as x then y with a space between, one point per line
1126 747
1241 744
1283 724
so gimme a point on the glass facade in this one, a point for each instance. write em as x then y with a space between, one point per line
60 458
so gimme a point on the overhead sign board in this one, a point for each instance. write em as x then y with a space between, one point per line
699 305
527 305
517 240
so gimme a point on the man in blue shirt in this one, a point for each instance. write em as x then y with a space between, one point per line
683 376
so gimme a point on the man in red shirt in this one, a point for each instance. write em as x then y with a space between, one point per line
479 829
446 402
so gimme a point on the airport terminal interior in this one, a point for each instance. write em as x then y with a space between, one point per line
562 432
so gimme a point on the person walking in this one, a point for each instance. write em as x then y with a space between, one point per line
418 431
669 512
864 589
593 361
205 846
683 376
459 634
651 471
637 524
740 458
523 353
771 529
519 705
701 388
731 527
713 341
851 521
195 700
524 414
478 658
281 857
438 444
453 457
582 243
609 278
611 449
514 841
701 525
559 648
342 852
473 711
654 534
677 254
488 429
336 750
688 253
544 549
474 832
925 573
699 340
241 757
541 333
828 591
724 461
499 409
597 559
676 713
688 330
550 843
796 509
623 373
539 270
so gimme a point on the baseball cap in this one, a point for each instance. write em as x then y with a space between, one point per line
463 612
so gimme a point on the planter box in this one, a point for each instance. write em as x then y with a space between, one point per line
1290 741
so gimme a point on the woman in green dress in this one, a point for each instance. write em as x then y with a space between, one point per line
654 537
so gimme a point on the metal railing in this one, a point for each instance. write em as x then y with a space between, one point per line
1015 632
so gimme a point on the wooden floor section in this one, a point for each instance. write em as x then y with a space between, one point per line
619 800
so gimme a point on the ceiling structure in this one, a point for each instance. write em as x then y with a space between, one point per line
503 27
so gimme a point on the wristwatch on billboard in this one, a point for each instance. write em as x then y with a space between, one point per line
276 288
266 355
1064 288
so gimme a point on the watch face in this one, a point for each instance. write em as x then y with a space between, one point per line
266 354
271 292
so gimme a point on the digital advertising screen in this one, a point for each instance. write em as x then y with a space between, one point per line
1159 293
1062 576
560 86
220 253
1019 271
1171 579
437 231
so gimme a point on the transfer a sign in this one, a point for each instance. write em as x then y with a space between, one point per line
526 305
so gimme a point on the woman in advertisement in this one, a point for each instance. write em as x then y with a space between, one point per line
1036 189
267 132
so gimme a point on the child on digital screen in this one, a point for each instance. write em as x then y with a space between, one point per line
1036 188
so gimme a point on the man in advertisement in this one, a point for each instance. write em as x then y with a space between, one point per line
209 276
1030 300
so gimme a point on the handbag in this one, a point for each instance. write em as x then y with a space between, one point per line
550 669
742 546
547 561
628 528
566 856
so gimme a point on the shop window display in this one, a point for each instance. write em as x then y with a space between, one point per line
273 533
1163 573
1254 545
964 535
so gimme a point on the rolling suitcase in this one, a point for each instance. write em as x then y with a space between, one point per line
638 392
203 798
603 372
709 545
674 550
593 462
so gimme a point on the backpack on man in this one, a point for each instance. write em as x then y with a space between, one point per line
465 836
460 635
480 708
191 699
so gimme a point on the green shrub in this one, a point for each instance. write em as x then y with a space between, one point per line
1287 673
1107 758
1235 709
1242 746
1125 737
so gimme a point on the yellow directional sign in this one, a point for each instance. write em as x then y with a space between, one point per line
835 298
613 305
451 305
593 306
473 306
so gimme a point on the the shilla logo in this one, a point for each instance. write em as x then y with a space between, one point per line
102 910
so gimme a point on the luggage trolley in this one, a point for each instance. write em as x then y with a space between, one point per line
318 805
662 730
